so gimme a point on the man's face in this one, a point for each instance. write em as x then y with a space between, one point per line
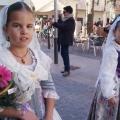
65 13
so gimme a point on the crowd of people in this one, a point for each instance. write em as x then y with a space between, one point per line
36 93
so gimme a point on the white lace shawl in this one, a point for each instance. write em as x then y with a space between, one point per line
108 69
25 78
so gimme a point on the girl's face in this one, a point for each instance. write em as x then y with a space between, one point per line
20 28
117 33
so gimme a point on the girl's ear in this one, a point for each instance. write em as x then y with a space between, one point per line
114 31
5 31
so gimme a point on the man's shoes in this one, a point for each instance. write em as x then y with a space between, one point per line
66 73
63 71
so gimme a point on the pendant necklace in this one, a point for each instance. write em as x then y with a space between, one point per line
22 58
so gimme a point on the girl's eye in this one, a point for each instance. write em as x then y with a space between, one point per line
17 25
29 26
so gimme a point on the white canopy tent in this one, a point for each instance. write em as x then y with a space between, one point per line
6 2
43 5
48 5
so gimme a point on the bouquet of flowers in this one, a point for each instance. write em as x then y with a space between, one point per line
7 87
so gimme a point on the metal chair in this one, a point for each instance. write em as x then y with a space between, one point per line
78 41
96 42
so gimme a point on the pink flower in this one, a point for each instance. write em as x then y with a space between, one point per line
5 76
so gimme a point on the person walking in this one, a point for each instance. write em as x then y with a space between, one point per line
99 23
67 28
106 102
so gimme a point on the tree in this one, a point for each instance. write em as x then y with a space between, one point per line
114 2
90 16
113 8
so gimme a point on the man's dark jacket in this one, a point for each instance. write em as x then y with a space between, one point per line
67 29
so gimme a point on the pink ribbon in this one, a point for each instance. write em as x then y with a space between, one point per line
25 108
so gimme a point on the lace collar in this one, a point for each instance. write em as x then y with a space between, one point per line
25 75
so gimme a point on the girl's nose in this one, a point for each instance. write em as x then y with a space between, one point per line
24 31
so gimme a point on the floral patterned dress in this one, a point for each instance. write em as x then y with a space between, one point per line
100 109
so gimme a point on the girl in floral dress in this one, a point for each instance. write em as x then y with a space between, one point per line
36 94
106 102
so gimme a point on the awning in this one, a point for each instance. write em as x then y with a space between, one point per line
6 2
50 6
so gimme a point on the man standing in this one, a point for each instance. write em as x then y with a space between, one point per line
66 37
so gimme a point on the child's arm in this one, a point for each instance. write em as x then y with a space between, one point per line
107 72
50 95
10 112
13 113
49 108
48 88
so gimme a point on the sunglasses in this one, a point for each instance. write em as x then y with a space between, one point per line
64 12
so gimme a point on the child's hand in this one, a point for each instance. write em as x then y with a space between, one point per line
113 101
29 116
48 118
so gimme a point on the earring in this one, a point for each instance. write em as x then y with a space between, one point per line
8 39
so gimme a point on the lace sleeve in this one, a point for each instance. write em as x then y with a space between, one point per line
107 73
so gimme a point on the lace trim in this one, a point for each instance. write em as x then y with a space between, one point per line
50 94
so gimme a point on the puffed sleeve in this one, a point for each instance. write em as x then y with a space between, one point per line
48 86
107 72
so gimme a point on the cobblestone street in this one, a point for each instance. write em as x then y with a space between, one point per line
76 92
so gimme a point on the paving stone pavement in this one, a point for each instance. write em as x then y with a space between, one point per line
76 91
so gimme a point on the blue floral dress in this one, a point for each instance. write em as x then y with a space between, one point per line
100 109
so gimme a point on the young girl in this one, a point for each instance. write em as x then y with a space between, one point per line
106 102
31 67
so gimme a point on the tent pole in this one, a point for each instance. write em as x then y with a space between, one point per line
55 33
